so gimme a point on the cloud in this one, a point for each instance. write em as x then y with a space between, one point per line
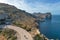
20 4
54 8
34 6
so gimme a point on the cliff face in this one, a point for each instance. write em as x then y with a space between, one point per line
43 16
48 15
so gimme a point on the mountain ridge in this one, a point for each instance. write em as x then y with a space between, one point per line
13 16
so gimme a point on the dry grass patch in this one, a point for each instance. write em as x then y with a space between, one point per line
8 34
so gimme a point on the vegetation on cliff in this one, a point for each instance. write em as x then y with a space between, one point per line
7 34
18 17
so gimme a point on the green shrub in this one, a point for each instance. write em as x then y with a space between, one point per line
9 34
37 37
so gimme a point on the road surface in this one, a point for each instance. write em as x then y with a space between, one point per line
22 34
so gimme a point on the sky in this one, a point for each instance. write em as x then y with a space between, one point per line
32 6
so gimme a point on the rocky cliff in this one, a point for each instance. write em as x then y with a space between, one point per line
43 16
24 18
12 15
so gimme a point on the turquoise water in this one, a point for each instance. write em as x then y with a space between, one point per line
51 28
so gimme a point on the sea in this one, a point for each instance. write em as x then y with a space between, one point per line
51 27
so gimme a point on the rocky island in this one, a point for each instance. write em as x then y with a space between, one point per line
10 15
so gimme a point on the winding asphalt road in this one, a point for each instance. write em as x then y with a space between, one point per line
22 34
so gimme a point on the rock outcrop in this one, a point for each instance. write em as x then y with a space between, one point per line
48 15
43 16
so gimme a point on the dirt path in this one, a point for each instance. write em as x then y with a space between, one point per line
22 34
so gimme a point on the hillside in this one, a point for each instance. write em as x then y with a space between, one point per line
22 17
10 15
